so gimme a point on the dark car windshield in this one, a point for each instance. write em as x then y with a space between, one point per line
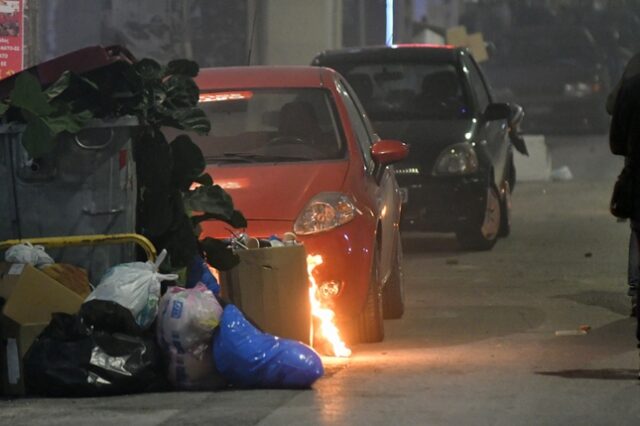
408 91
267 125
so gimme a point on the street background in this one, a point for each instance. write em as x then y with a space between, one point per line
477 344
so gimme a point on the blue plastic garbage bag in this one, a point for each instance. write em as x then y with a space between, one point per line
199 272
249 358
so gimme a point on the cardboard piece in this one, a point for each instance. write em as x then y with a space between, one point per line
271 286
30 297
457 36
478 48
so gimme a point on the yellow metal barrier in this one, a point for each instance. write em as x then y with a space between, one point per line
87 240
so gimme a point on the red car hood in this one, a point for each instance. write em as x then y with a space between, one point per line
280 191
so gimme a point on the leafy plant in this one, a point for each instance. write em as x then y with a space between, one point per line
170 206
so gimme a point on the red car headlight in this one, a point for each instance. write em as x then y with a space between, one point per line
325 211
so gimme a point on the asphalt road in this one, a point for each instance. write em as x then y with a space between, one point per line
478 344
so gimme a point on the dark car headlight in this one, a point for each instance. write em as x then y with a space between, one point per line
458 159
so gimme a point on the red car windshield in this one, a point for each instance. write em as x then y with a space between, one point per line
267 125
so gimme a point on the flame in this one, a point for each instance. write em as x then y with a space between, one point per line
325 315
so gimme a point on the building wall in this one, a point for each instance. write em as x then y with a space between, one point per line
292 32
215 32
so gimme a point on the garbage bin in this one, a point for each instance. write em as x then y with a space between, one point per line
86 186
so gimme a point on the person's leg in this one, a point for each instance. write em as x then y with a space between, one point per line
633 273
633 270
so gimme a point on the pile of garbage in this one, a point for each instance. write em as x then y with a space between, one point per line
138 330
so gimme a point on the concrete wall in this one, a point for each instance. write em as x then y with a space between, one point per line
291 32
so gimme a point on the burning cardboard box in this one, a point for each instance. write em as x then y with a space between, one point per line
271 286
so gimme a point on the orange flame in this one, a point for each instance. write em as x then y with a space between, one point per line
325 315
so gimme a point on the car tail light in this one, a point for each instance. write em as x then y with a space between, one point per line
325 211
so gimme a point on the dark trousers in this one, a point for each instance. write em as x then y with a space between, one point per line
635 227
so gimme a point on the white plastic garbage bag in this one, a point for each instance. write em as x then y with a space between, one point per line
28 253
136 286
187 318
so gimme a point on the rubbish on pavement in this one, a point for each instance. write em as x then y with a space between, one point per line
271 286
289 238
28 253
188 372
30 296
71 359
136 286
562 174
109 316
184 331
249 358
187 318
199 273
275 241
74 278
246 242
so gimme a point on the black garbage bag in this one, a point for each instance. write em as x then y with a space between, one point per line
70 359
109 316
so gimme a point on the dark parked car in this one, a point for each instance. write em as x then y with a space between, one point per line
460 173
561 79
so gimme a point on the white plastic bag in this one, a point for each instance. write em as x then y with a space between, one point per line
28 253
136 286
187 318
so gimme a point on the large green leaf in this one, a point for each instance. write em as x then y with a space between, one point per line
59 86
193 119
183 67
28 95
218 254
188 162
156 212
181 242
153 159
182 92
209 199
204 179
38 138
148 69
68 121
236 220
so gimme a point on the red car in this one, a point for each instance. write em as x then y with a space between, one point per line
295 149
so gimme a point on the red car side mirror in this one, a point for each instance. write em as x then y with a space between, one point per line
389 151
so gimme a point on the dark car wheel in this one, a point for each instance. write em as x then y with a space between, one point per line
393 293
505 210
369 325
485 235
